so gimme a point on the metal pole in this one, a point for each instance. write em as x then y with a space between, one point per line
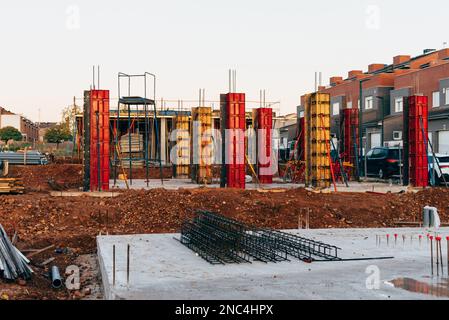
146 133
129 146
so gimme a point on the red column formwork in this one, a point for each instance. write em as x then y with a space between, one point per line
264 137
100 140
350 134
235 140
418 135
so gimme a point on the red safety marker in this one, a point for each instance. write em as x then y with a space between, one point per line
388 239
420 239
395 239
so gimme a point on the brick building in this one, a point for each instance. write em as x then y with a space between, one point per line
383 88
28 129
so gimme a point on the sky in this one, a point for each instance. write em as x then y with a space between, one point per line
48 47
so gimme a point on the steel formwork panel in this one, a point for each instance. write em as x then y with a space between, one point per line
417 138
235 120
99 140
317 122
201 145
264 122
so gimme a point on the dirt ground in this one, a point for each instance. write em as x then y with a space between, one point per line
72 224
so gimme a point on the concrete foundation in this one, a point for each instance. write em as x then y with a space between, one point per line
162 268
175 184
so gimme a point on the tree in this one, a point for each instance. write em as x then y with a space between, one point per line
57 134
8 133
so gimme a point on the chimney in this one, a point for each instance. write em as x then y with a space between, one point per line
401 59
374 67
442 54
333 81
353 73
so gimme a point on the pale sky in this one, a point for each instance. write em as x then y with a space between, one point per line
48 47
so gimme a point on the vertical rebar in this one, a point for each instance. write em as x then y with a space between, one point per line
127 265
440 253
447 241
431 254
113 265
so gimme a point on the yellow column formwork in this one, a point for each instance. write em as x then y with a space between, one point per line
202 142
183 144
318 171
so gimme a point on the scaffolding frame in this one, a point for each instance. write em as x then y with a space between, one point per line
137 101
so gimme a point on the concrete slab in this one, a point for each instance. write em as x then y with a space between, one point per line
162 268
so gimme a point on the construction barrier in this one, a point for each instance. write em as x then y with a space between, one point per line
202 151
317 139
264 125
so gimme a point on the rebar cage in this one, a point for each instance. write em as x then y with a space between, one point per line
221 240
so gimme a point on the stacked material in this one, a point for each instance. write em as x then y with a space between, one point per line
13 264
24 158
132 152
11 185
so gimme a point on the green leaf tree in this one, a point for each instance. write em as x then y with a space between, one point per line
57 135
8 133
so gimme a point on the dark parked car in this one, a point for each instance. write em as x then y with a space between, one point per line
384 162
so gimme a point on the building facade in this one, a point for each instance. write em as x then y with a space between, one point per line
383 88
28 129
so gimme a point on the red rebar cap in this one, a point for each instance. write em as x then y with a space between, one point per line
438 238
447 238
431 237
420 236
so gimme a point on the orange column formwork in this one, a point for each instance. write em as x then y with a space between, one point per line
264 125
201 145
99 140
417 139
235 140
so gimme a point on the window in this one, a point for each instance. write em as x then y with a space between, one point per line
447 95
435 99
336 109
397 135
398 104
369 102
349 105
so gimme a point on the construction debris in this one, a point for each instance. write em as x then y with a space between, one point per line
13 264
